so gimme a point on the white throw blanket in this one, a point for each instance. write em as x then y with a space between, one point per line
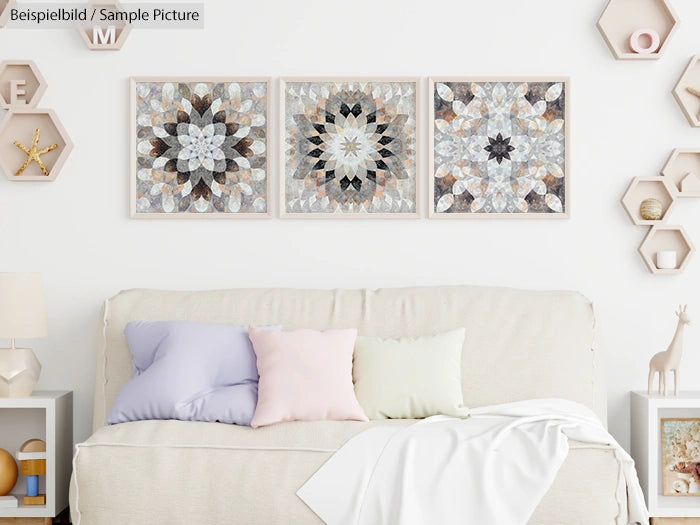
493 468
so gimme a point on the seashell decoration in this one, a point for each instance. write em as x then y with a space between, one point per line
651 209
681 486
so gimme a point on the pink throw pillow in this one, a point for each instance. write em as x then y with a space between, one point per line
305 375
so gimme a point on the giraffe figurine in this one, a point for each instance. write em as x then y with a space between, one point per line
669 360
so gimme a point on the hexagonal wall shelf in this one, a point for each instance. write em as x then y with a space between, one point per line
687 92
33 86
3 6
122 29
666 238
621 18
683 170
21 126
642 188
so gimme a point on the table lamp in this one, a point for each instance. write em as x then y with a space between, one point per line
22 316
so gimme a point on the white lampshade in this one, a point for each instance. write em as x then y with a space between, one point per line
22 308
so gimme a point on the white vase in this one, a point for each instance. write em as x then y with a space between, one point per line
19 372
666 259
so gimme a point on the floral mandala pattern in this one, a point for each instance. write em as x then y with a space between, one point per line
350 147
499 147
201 147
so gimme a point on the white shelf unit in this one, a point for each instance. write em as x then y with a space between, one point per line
646 413
49 416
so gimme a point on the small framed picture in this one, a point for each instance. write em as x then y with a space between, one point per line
680 456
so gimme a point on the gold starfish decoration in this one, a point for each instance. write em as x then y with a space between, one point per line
34 154
695 92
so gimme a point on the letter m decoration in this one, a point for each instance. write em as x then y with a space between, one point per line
103 34
106 37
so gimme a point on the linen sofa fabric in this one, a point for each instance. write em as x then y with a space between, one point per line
410 378
188 371
305 375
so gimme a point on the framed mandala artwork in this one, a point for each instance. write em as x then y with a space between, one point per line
349 148
498 148
199 148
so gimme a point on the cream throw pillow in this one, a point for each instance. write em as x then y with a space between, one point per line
410 378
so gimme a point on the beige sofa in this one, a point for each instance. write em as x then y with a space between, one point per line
519 345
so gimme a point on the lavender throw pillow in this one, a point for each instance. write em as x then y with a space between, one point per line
188 371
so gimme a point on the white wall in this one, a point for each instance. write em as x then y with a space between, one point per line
625 122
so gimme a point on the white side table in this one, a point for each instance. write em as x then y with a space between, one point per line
646 413
47 416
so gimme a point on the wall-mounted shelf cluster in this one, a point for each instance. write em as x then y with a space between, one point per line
641 30
679 178
621 19
101 39
33 143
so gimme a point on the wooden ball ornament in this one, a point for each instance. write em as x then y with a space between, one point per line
33 445
651 209
8 472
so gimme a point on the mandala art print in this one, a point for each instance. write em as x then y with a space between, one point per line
349 147
499 148
199 148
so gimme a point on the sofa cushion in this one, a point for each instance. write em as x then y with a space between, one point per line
305 375
188 371
410 377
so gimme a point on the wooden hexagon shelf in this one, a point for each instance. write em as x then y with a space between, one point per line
87 30
33 87
21 126
621 18
687 92
642 188
683 170
3 6
666 238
